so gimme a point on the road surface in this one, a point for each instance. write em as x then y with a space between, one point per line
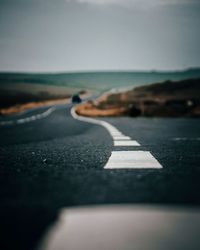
49 160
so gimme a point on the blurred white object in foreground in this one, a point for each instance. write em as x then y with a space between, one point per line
131 227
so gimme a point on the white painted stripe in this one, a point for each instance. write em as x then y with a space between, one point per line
122 137
132 159
3 123
122 159
29 119
186 139
126 143
110 128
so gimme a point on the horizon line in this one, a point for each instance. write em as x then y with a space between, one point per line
102 71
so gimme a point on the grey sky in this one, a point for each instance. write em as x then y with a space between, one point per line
73 35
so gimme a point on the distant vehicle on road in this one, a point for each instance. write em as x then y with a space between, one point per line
76 99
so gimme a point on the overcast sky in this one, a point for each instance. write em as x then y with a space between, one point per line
73 35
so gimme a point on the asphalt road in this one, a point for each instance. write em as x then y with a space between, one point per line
57 161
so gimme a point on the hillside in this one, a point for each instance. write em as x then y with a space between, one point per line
97 81
18 97
166 99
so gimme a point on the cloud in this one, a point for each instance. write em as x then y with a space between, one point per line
135 2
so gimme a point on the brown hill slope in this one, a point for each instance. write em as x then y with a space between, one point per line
167 99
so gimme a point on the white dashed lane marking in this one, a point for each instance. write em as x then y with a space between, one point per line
123 159
28 119
121 138
132 159
186 139
126 143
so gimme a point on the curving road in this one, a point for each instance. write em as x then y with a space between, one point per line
52 161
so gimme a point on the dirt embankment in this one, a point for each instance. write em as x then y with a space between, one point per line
15 98
167 99
30 105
